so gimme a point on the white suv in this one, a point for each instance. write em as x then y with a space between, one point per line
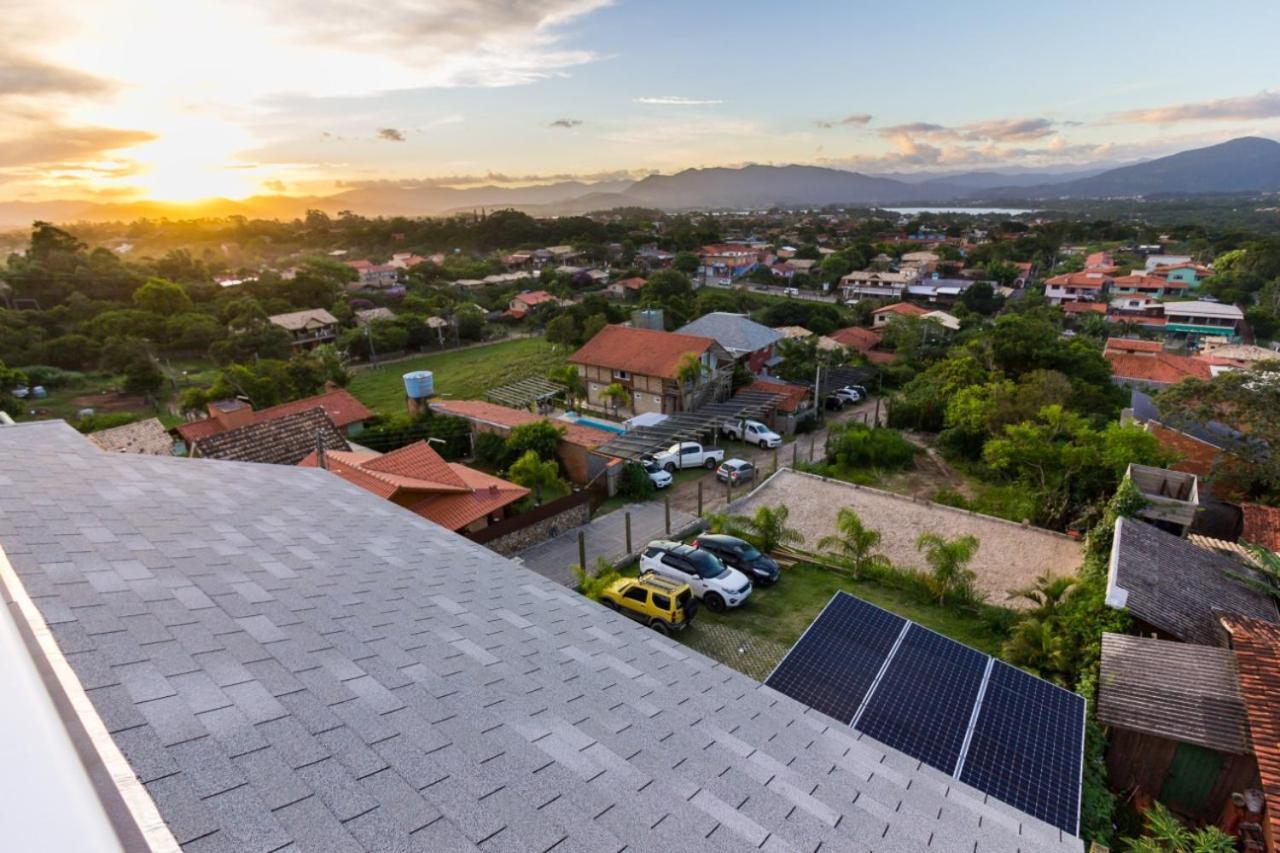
716 584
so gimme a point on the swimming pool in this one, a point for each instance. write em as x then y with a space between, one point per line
607 426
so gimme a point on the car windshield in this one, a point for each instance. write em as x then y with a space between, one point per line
751 552
652 467
706 565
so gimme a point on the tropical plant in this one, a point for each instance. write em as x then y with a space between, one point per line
593 583
723 522
634 482
1267 563
1167 834
1039 640
616 394
767 528
856 543
535 474
574 388
689 370
948 559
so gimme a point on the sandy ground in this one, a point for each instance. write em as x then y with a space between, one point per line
1010 554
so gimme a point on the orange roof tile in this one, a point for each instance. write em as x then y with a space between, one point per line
1257 648
415 463
1262 527
485 494
904 308
857 338
632 283
339 404
1084 308
1139 281
793 395
1132 345
1161 368
644 352
507 417
1091 279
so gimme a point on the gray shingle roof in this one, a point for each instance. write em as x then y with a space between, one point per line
285 440
735 332
285 659
1178 691
1176 587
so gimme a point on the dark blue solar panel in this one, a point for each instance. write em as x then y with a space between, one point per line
924 700
833 665
1026 748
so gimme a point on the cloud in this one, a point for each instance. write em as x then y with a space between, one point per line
1263 105
391 134
852 120
995 130
565 123
20 75
677 101
53 144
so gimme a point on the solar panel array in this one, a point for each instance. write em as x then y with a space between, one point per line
1016 737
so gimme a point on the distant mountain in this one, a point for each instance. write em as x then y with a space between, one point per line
764 186
1244 165
982 180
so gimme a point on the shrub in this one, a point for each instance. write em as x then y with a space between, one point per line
593 583
491 451
861 446
634 483
50 376
106 420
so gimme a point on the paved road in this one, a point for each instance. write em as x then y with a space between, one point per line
606 536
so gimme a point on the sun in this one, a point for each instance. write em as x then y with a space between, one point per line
191 159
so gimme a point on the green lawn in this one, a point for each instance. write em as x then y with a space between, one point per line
773 618
461 374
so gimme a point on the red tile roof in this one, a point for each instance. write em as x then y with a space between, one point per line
632 283
856 337
1161 368
793 395
533 297
904 308
416 477
1098 259
1262 527
876 357
1257 648
1093 279
507 417
1084 308
644 352
1198 457
339 404
1140 281
1130 345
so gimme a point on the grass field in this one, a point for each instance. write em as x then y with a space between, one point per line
461 374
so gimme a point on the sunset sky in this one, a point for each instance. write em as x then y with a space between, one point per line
127 99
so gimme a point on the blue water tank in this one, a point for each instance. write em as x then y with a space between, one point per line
419 384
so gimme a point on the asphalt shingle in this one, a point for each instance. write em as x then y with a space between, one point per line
289 662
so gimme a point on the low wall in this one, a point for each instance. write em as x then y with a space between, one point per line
513 535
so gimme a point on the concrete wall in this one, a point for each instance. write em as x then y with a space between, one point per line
542 530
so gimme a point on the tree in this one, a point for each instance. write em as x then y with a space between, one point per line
575 388
542 437
634 482
1167 834
10 379
592 325
616 394
671 291
689 370
165 298
856 542
535 474
980 298
768 529
686 262
948 561
562 330
1039 641
143 376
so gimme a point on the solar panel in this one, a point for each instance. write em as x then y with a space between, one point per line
923 702
1027 747
836 660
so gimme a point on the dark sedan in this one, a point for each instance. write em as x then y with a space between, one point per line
741 555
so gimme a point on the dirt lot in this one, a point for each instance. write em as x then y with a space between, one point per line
1010 555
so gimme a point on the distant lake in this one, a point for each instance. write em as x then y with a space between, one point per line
973 211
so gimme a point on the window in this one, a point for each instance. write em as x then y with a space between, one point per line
621 374
676 563
636 593
689 449
661 602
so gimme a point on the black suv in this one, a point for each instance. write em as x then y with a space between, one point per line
741 555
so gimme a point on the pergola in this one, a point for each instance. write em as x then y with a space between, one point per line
838 377
525 392
690 426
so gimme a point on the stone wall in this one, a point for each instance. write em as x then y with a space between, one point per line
537 530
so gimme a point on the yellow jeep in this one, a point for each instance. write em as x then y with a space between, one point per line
662 604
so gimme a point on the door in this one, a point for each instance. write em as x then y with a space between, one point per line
1192 774
679 570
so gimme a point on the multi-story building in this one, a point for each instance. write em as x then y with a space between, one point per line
650 366
1088 286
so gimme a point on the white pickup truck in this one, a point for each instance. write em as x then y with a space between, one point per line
752 432
689 454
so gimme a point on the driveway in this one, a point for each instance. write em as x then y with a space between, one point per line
606 536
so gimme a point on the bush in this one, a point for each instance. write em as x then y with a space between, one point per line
491 451
106 420
593 583
50 376
861 446
634 483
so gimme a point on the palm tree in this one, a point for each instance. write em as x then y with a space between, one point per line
856 543
1038 640
616 394
574 388
768 528
688 373
949 560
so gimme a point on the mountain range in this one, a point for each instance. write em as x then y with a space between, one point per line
1244 165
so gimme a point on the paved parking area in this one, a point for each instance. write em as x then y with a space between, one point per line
606 536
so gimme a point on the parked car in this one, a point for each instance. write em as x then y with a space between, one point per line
718 586
660 477
689 454
790 292
741 555
662 604
834 403
752 432
736 471
851 393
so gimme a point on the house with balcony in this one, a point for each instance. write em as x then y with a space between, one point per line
1154 286
875 283
376 275
729 260
1203 319
651 367
1188 273
1087 286
308 329
749 343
